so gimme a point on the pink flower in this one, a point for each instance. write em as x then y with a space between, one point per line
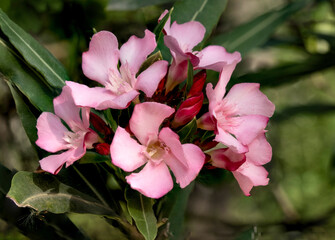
53 136
100 63
246 167
181 39
240 116
157 150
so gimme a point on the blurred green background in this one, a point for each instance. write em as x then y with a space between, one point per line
295 65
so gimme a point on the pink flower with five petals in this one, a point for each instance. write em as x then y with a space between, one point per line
157 150
53 136
100 63
240 116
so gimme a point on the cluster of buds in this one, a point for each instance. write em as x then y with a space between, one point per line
146 144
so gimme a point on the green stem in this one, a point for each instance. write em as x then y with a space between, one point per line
91 187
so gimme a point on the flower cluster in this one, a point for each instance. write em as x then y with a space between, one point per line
147 146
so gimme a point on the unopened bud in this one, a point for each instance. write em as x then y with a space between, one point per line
188 110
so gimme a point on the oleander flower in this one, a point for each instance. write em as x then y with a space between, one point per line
120 86
238 117
156 150
246 167
53 136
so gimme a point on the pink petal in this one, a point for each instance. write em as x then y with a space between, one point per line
50 131
171 139
177 74
249 128
249 175
85 115
78 153
168 22
153 181
231 142
260 151
99 98
91 137
206 122
66 109
126 153
227 159
248 99
146 119
103 54
178 54
54 163
188 34
225 74
135 50
149 79
216 57
195 160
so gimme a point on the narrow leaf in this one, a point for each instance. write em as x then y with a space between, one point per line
34 53
208 12
159 28
257 31
28 119
140 208
288 73
43 192
189 80
187 131
150 60
13 70
117 5
174 207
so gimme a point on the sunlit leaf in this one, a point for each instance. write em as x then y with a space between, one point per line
43 192
140 208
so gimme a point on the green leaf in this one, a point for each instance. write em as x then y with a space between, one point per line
118 5
208 12
34 53
187 131
150 60
288 73
174 207
257 31
15 71
93 157
140 208
28 119
189 80
43 192
159 28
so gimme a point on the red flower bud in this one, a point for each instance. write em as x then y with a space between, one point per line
100 124
198 83
102 148
188 110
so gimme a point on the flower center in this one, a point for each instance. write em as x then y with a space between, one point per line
120 82
157 150
74 139
226 116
